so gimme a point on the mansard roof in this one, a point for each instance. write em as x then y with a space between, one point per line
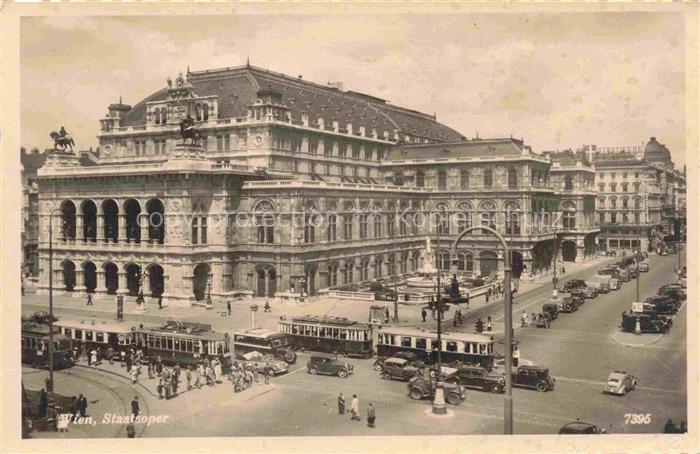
474 148
236 89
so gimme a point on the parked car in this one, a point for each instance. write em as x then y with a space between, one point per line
648 323
408 356
551 309
328 365
644 267
662 305
543 321
580 428
265 364
568 305
603 282
578 297
632 270
571 285
398 369
674 289
615 283
479 378
535 377
624 275
424 388
610 270
590 292
620 383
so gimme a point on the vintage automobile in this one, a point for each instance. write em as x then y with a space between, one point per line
328 365
633 272
648 323
398 369
592 289
535 377
644 267
265 364
601 281
578 297
543 320
568 305
675 290
572 285
615 283
424 388
610 270
551 309
624 276
620 383
580 428
408 356
662 305
479 378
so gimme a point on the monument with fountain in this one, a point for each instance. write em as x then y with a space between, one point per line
421 287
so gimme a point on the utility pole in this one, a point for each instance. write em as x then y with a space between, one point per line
51 300
439 407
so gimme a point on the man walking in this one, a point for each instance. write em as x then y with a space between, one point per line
341 404
82 405
355 409
44 403
488 324
267 307
89 299
423 314
135 406
371 417
160 301
228 306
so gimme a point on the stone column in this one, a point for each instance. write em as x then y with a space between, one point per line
122 287
79 288
79 233
122 229
143 221
146 284
101 286
100 234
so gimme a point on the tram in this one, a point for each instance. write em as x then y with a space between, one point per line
187 343
101 334
35 347
266 342
329 334
462 347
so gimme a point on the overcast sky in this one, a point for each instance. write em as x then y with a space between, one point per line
557 80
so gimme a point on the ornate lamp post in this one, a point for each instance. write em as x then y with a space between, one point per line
439 407
209 278
51 214
508 398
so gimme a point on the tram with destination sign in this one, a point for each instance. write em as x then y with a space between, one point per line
462 347
329 335
187 343
35 346
100 334
267 342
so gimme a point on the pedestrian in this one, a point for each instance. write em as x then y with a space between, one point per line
89 359
151 369
160 301
128 363
130 430
176 372
82 405
134 375
110 354
44 403
386 315
341 404
488 323
159 366
454 320
228 306
355 409
371 416
533 319
670 427
122 354
524 320
188 376
135 406
160 388
89 299
267 307
516 355
93 356
268 372
423 314
461 318
168 387
218 373
488 295
432 311
175 382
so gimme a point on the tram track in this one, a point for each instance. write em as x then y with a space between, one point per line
143 403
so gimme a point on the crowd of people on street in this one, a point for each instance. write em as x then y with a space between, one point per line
242 376
355 410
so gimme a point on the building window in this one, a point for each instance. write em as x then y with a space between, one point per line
347 226
636 175
601 217
601 187
403 224
569 220
488 178
379 267
356 151
636 187
613 187
636 203
364 270
377 225
442 221
265 227
624 203
309 228
624 175
613 202
612 175
205 111
624 187
512 178
420 179
624 218
203 230
391 225
568 183
513 224
464 220
159 146
327 147
363 226
313 146
331 229
636 218
613 218
442 180
195 230
464 179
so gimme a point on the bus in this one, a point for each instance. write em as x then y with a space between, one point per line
187 343
329 335
462 347
101 334
35 347
267 342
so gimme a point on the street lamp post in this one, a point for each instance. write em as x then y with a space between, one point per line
555 292
508 398
51 214
439 407
636 263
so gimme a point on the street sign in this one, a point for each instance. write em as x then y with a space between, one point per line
637 307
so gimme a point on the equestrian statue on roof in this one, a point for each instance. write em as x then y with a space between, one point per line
188 131
62 139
